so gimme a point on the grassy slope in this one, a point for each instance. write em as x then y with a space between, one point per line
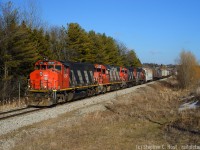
146 117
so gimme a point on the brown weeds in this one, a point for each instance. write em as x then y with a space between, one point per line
148 116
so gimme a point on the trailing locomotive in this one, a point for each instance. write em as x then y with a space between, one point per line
54 81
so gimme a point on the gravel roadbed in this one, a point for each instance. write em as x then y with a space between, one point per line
15 123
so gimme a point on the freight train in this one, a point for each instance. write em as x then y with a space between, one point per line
54 82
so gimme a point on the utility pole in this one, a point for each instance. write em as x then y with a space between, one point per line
19 89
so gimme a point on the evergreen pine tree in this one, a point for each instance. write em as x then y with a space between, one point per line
42 43
78 43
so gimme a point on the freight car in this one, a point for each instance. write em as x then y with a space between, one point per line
148 74
159 73
54 81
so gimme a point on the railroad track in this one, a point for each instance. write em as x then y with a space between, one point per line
27 110
17 112
29 116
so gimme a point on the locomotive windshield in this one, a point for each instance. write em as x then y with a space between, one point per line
58 67
43 67
37 67
50 67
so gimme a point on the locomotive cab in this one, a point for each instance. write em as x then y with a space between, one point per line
101 74
123 74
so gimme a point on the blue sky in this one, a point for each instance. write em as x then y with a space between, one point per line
156 29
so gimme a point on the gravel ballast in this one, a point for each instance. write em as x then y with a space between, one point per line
84 105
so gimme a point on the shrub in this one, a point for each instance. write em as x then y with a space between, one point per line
188 70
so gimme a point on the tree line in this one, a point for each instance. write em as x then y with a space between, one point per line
23 42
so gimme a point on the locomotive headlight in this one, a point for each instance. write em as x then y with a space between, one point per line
40 73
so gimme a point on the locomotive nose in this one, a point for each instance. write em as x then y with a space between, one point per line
48 80
44 79
44 75
39 79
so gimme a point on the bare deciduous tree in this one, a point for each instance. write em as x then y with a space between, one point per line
188 70
31 14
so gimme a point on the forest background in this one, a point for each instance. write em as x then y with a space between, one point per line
25 38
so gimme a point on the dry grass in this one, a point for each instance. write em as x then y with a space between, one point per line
10 104
146 117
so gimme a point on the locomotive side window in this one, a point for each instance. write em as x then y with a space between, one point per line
50 66
43 67
58 67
